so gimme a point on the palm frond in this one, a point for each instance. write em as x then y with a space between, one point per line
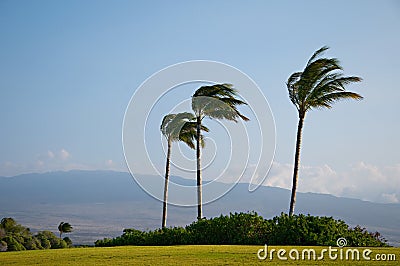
217 101
185 116
342 81
332 84
292 86
217 90
320 83
294 78
188 139
181 127
317 53
326 85
165 122
188 134
328 99
315 72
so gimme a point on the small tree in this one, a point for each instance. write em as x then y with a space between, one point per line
64 228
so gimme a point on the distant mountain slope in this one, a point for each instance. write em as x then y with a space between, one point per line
102 203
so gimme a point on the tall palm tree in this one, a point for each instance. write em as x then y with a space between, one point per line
64 228
216 101
318 86
177 127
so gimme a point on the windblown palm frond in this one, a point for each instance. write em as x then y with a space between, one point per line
320 84
217 101
188 134
165 129
181 127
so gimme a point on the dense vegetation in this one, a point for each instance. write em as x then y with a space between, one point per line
15 237
252 229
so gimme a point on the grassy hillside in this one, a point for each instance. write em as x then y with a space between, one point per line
173 255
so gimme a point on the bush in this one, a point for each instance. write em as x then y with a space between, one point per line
15 237
360 237
238 228
32 243
68 241
251 229
3 246
50 240
306 230
13 244
44 242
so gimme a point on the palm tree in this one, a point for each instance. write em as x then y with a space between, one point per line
64 228
216 101
318 86
177 127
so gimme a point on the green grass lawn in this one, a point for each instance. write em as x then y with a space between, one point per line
175 255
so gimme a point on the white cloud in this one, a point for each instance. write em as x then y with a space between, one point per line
390 198
280 175
110 165
8 164
361 180
64 155
8 168
50 154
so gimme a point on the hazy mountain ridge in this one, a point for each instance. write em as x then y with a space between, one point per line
102 203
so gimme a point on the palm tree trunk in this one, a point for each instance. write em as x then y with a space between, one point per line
296 165
164 217
198 156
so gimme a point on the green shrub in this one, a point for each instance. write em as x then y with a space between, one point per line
44 242
68 241
32 243
237 228
13 244
251 229
15 237
3 246
50 240
360 237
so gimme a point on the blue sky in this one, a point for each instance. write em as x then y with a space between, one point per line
69 68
